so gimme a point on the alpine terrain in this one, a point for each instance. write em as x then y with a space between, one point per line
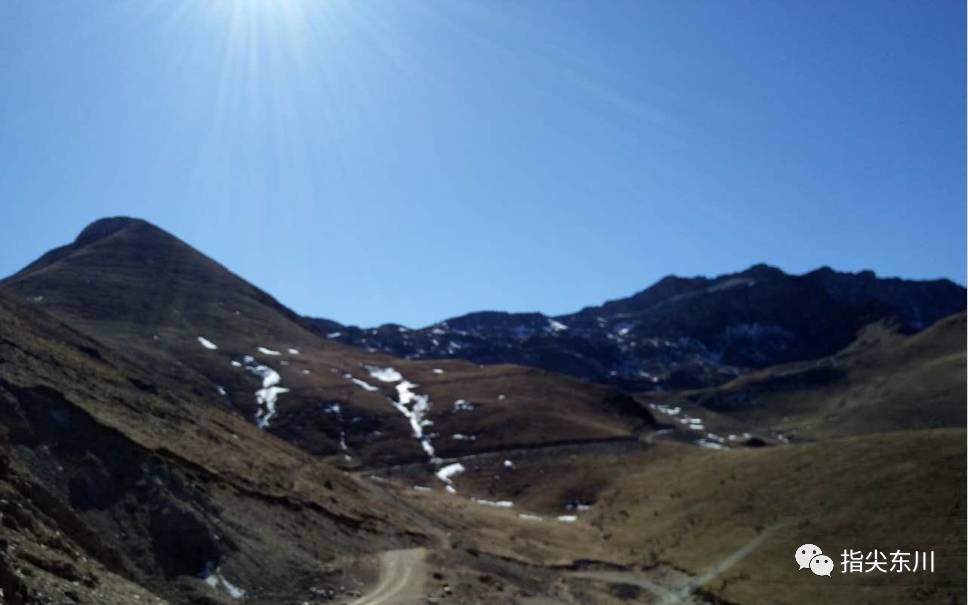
173 434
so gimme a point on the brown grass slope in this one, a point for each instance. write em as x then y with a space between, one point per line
674 509
880 464
884 381
146 293
888 491
109 481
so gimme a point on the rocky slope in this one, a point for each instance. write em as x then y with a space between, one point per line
679 332
171 433
884 381
115 490
197 326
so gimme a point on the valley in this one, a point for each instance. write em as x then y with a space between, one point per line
173 434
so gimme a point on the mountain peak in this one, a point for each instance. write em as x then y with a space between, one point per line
763 271
106 227
123 269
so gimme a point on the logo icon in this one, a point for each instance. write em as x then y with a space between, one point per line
810 556
805 553
821 565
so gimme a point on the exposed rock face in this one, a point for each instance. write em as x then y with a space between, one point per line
680 332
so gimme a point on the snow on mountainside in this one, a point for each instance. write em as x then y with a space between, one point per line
680 332
169 433
200 327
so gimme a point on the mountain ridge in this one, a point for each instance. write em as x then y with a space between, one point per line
678 332
171 433
195 323
681 331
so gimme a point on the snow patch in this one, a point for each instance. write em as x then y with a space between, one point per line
446 472
556 326
497 504
567 518
384 374
334 408
666 409
416 413
694 424
266 351
366 386
215 579
294 351
462 405
415 407
711 445
267 396
208 344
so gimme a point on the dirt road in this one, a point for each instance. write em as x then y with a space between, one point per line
681 594
402 575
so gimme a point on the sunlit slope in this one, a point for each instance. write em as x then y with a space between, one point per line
889 491
679 516
884 381
196 325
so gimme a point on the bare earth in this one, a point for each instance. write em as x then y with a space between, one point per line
402 575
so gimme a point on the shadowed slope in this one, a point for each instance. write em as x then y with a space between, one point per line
156 489
680 332
885 381
196 325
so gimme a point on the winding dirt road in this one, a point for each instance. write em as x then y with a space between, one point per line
402 575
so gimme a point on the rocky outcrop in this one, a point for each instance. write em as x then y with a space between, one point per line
680 332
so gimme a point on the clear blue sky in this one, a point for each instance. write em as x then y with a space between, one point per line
409 161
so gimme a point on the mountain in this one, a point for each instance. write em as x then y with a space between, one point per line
679 332
169 433
882 382
197 325
852 447
113 490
